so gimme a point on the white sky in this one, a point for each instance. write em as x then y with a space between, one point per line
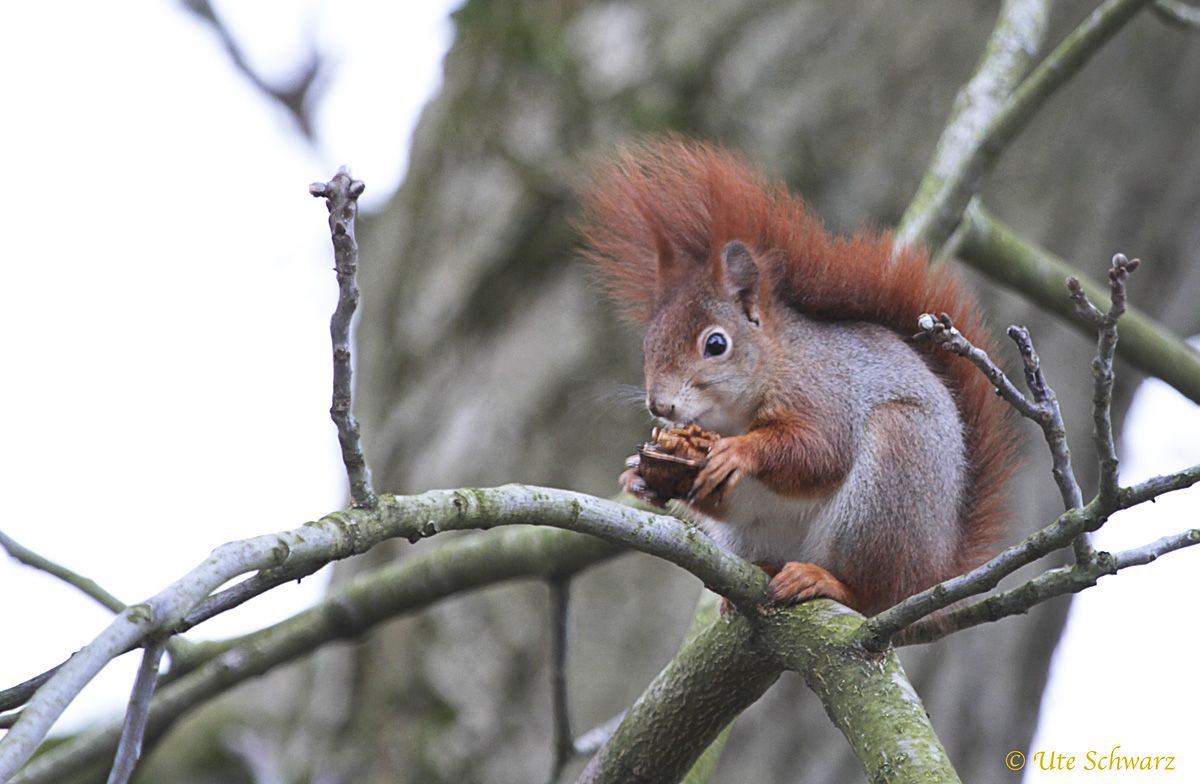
1124 674
167 288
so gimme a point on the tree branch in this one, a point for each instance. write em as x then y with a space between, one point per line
878 630
1055 582
355 531
563 741
341 197
179 649
716 676
459 566
1102 368
1155 486
1014 43
1053 427
247 589
732 662
295 98
1178 13
1043 409
708 612
998 252
348 612
972 148
16 696
129 748
907 612
86 585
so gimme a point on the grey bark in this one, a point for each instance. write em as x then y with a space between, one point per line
486 354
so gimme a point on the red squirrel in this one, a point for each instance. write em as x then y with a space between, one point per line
856 462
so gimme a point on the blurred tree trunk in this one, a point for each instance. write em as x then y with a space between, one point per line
487 355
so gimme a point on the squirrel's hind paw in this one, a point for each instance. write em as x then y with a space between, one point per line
798 582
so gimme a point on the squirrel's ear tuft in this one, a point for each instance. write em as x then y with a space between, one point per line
670 269
738 274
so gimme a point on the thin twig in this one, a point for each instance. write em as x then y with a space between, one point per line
1042 409
247 589
995 249
179 649
1055 431
877 631
1102 368
564 747
16 696
9 719
1055 582
134 729
296 98
948 187
1053 427
1070 527
1149 553
1178 14
341 197
1155 486
1045 411
41 563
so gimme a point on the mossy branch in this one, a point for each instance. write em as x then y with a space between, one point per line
983 125
349 611
468 564
1015 41
988 245
355 531
726 667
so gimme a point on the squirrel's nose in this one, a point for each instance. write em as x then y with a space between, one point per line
659 409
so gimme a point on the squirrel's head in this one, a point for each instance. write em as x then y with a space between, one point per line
703 346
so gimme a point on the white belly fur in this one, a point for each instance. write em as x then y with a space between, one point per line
769 527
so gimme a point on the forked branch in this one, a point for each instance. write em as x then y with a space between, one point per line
1079 519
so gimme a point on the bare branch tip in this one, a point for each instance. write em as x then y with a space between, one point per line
1122 265
1024 342
319 189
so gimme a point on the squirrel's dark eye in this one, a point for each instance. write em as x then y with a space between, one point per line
716 344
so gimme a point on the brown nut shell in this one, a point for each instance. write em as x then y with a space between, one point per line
670 463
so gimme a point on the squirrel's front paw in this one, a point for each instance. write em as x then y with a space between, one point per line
799 582
728 461
634 483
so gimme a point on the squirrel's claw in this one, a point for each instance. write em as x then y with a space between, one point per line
725 467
